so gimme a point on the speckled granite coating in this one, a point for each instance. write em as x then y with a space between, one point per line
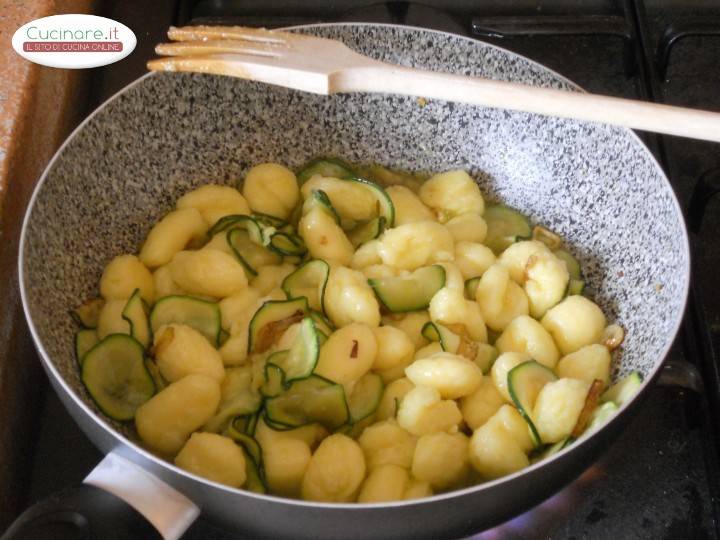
597 186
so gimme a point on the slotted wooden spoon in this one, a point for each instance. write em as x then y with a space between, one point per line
325 66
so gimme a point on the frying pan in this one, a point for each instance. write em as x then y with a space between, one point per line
123 168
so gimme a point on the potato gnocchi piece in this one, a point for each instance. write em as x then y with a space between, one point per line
408 206
214 457
574 323
417 489
410 246
494 452
386 443
423 411
181 350
515 257
123 275
452 375
214 202
219 242
410 323
558 407
451 194
366 255
270 277
335 472
310 434
237 310
588 364
383 484
546 282
350 199
324 238
449 307
168 419
501 300
428 350
393 348
348 354
208 272
349 298
473 259
110 320
378 271
270 188
441 460
502 366
510 420
391 398
170 235
478 407
468 227
285 462
164 283
525 334
453 276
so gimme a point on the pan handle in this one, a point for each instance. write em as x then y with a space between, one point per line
117 500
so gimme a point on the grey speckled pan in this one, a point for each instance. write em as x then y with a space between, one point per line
123 168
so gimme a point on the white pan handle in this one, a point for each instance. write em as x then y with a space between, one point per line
169 511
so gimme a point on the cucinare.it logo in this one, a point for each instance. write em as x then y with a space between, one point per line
74 41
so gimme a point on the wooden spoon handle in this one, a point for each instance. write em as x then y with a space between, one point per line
641 115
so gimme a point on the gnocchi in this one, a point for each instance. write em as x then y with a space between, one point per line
357 378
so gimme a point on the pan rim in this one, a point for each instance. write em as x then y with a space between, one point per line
49 365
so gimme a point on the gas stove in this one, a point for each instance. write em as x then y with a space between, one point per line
661 479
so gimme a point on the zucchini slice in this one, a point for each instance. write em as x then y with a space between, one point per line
600 416
300 360
136 314
524 384
243 403
114 373
242 222
325 166
322 324
274 384
449 340
385 206
287 244
249 444
367 231
255 479
265 220
88 313
319 199
85 340
154 371
249 253
412 292
573 266
310 400
505 226
471 286
575 286
245 424
623 390
555 448
365 397
309 281
201 315
272 319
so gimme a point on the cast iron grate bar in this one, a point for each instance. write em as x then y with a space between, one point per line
560 25
679 30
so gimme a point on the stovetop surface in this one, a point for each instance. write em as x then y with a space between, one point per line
660 479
